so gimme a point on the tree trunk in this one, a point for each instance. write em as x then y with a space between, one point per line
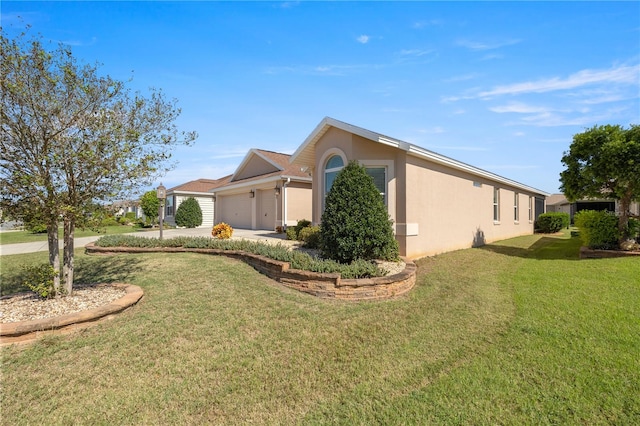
67 267
54 254
623 221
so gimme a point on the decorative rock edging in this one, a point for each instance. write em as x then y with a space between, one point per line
587 253
24 331
323 285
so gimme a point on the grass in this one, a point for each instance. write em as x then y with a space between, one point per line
15 237
517 332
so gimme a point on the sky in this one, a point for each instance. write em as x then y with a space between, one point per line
502 86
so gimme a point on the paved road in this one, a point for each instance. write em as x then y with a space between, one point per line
9 249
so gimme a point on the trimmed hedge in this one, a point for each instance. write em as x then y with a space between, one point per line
549 223
598 229
355 223
298 260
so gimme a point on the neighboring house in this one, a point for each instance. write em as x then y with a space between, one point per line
265 192
120 208
437 204
198 189
559 203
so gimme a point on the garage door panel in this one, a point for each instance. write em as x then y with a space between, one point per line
235 210
266 210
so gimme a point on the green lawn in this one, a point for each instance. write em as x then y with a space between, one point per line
518 332
14 237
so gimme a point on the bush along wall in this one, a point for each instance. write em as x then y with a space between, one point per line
598 229
549 223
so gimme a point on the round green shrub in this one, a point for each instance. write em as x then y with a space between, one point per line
598 229
189 213
310 236
39 279
549 223
355 223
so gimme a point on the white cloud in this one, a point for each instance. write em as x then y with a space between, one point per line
619 75
415 52
364 39
519 107
480 45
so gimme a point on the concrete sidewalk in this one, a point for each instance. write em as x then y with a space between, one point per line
250 234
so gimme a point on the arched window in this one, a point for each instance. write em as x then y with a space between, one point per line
333 166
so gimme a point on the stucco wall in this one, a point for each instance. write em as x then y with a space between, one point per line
435 208
452 210
298 200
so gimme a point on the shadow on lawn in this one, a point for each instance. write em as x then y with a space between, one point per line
87 271
546 248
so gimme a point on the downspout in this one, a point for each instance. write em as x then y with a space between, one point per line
213 196
284 203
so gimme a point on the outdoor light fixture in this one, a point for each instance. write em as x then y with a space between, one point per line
252 193
277 190
161 194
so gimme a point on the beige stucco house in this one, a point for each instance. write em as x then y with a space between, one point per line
265 192
437 204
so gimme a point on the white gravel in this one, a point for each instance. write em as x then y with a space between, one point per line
28 306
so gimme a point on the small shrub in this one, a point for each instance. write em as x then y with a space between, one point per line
549 223
189 213
128 218
291 234
310 237
598 229
109 221
39 279
222 231
302 223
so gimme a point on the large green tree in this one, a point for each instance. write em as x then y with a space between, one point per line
150 204
71 137
604 161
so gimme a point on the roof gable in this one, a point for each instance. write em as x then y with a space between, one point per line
258 162
305 155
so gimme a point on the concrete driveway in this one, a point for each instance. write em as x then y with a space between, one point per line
249 234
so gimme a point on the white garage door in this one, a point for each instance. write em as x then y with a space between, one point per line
234 210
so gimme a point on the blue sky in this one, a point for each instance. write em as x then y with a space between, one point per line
503 86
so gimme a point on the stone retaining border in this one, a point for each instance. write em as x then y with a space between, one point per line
323 285
26 331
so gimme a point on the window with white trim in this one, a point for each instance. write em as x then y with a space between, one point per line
170 203
530 209
496 204
331 170
516 207
379 175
